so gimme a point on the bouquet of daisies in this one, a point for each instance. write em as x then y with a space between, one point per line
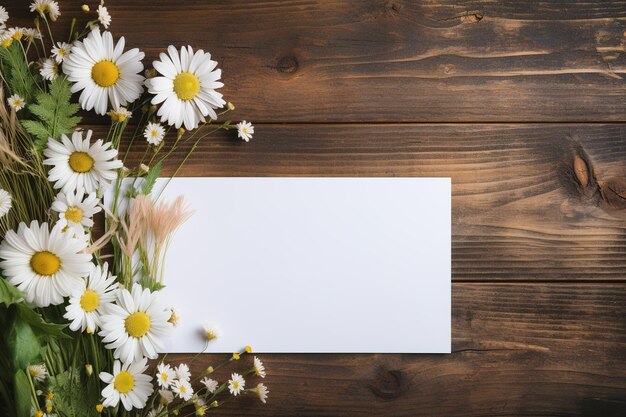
80 307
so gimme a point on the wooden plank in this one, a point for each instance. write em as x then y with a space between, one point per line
519 209
397 60
518 349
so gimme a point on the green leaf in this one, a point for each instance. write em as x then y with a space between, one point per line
56 114
16 72
42 327
22 393
151 178
22 343
8 293
72 398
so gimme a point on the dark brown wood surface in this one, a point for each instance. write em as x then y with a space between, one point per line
522 103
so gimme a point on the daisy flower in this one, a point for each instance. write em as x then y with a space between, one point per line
258 368
49 70
104 72
186 87
16 102
76 209
245 130
119 115
211 332
5 39
154 133
183 389
17 33
236 384
31 34
210 384
38 372
261 391
165 375
135 325
46 265
4 15
103 16
90 300
165 397
46 6
61 51
182 372
5 202
128 383
77 164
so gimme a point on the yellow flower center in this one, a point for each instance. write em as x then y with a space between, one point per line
74 214
164 376
105 73
17 35
182 389
123 382
6 42
89 301
45 263
137 324
81 162
186 85
235 385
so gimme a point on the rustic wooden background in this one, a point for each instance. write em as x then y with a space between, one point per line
522 103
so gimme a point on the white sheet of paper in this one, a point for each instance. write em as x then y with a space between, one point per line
312 264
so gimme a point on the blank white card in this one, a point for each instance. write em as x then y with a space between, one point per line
312 264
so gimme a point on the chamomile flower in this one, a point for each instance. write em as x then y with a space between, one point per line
38 372
61 51
186 87
165 375
245 130
135 325
183 389
45 265
16 102
261 391
5 39
76 209
46 6
49 69
211 332
210 384
236 384
17 33
154 133
104 72
30 34
128 384
182 372
5 202
258 368
4 15
78 164
103 16
119 115
90 300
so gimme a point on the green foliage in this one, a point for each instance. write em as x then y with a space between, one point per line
22 343
55 112
42 327
8 293
72 397
151 178
21 393
17 73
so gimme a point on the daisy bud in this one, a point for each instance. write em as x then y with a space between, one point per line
150 73
210 333
153 108
166 397
85 8
230 106
144 169
144 109
89 369
50 396
180 133
215 404
174 318
248 349
38 413
99 408
236 356
49 408
89 330
209 370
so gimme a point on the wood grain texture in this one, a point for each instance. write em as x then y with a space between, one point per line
520 211
518 350
396 60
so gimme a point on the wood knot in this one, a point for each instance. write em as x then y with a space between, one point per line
392 8
470 17
287 65
581 170
389 385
